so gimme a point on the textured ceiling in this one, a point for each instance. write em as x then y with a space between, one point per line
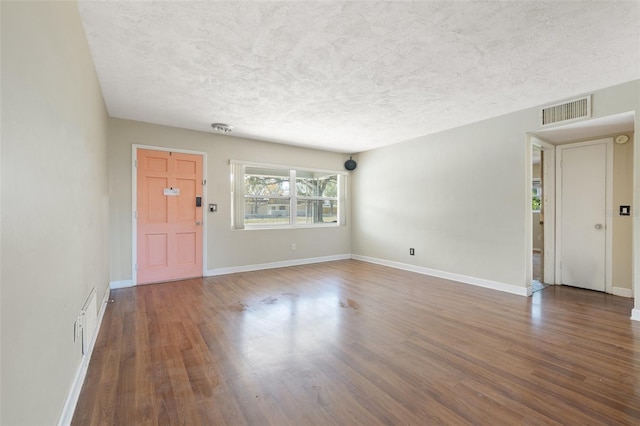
352 76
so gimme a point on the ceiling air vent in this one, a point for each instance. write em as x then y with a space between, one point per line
567 111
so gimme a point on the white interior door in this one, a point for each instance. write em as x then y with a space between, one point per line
583 188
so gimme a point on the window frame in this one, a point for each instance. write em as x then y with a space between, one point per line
238 196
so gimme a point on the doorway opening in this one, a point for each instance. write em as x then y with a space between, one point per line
542 205
537 223
548 148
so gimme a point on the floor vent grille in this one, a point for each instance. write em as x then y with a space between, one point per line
576 109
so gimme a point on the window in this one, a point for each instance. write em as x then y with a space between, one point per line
536 195
266 196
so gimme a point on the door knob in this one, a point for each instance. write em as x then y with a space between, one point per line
198 223
598 226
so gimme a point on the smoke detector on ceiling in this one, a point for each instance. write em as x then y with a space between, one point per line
622 139
222 128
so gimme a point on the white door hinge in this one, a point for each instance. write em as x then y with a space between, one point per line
135 162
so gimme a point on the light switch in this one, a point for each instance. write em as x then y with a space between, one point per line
213 208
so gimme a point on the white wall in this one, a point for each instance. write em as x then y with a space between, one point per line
54 204
445 195
460 197
226 247
622 225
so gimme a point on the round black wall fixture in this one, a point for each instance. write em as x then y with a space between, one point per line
350 164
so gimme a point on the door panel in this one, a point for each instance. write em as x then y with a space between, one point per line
156 163
156 246
583 195
186 202
169 230
188 167
155 203
186 248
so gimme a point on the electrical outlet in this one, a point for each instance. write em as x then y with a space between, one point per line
293 246
412 252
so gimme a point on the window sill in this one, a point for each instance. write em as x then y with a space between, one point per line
284 227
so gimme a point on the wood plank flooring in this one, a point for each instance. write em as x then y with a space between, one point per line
354 343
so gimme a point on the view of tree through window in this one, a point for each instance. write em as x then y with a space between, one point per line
536 193
317 198
270 198
266 194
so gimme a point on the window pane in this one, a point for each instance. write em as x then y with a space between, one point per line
267 194
266 182
316 211
316 186
266 211
536 195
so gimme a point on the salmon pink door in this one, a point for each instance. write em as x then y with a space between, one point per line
169 234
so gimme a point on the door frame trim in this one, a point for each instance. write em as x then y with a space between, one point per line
134 204
608 275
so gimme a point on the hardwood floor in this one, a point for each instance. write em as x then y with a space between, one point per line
538 266
354 343
538 274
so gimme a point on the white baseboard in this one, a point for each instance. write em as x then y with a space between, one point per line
120 284
272 265
624 292
480 282
76 386
635 314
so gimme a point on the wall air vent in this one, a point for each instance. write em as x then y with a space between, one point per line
575 109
